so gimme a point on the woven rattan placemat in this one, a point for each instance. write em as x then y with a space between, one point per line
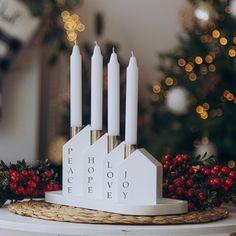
48 211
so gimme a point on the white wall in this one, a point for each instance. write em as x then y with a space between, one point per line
145 26
19 125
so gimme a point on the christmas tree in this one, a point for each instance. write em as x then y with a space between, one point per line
194 102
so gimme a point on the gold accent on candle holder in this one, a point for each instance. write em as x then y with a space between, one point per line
95 135
113 141
74 130
129 148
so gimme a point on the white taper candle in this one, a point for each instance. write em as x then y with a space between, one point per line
113 96
131 114
76 87
96 89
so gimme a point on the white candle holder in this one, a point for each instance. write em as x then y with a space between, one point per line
110 181
73 155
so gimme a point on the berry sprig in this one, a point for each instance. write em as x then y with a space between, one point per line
189 179
19 181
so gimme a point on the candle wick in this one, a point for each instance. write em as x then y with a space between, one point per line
96 43
113 50
132 53
75 42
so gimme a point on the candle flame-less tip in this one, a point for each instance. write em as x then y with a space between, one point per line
96 43
132 53
113 50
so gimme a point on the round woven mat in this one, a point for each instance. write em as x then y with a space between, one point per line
48 211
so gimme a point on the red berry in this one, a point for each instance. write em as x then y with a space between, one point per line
15 178
212 182
207 172
13 186
191 171
217 168
225 170
49 187
214 172
14 173
21 190
36 178
30 191
24 172
201 196
55 187
48 173
217 181
178 182
191 206
229 182
167 157
165 185
179 191
179 158
166 167
185 157
186 176
190 193
31 184
171 188
232 174
31 172
189 183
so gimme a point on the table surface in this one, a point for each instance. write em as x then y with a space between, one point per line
10 221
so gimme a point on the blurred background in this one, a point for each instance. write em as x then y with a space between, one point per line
186 56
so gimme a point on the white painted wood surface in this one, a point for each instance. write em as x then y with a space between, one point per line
11 224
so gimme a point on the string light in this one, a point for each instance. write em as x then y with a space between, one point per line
198 60
234 40
72 24
216 112
156 88
223 41
192 76
202 110
232 52
228 95
203 69
199 109
216 34
212 68
209 59
181 62
188 67
219 112
204 115
231 164
206 106
169 81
